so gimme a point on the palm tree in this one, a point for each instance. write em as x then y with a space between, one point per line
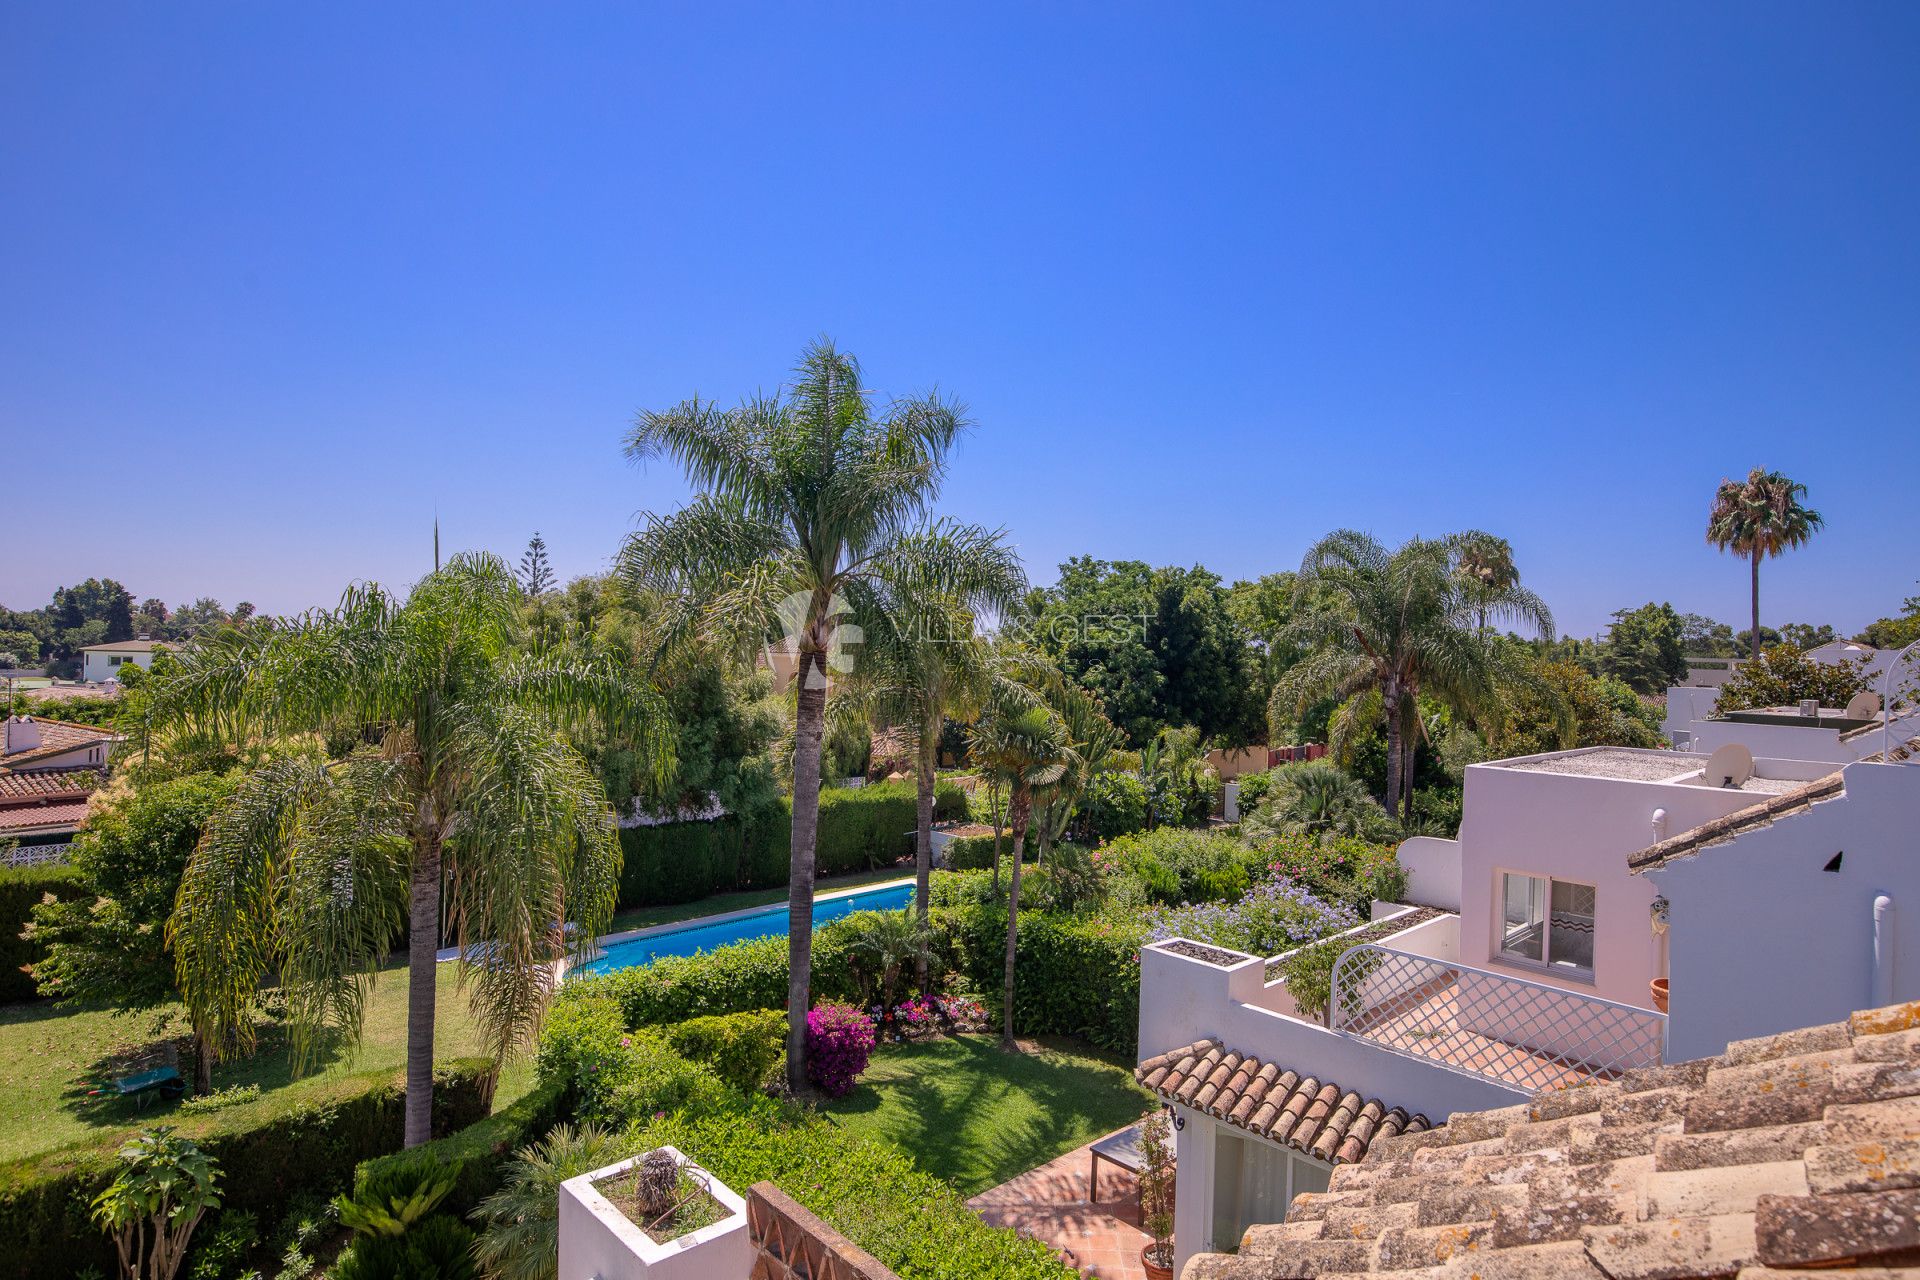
1317 799
809 502
1024 742
1759 517
1094 739
459 801
1396 624
922 666
1485 565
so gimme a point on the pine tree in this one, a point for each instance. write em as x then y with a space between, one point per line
536 571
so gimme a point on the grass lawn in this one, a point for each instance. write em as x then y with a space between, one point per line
647 917
49 1058
969 1113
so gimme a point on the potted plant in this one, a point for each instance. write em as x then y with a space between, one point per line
1156 1197
657 1216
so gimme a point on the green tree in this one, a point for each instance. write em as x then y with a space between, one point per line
110 948
1485 565
1895 633
458 800
1023 742
1316 799
1644 648
1567 707
536 571
806 499
164 1187
1400 623
1805 635
1759 517
1782 676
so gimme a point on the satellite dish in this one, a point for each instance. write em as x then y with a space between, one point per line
1729 766
1863 706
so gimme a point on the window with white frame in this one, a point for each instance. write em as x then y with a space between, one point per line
1255 1182
1547 922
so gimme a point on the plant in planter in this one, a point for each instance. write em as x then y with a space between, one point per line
663 1198
1156 1197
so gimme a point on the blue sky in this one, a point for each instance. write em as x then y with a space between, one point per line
282 281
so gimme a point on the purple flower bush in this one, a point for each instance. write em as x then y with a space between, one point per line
840 1039
1274 916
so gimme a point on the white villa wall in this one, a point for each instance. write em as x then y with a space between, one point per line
1578 828
1764 940
98 667
1685 704
1433 871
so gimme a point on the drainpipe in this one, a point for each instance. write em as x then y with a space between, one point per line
1659 825
1884 919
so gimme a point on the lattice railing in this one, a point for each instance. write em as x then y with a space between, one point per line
35 855
1493 1024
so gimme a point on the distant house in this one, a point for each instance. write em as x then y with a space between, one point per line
48 768
103 661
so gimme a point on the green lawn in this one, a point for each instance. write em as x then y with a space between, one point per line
49 1058
969 1113
647 917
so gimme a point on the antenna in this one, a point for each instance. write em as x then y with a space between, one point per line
436 542
1729 766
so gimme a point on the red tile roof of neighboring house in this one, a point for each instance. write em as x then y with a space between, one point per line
52 813
1787 1152
57 737
1309 1115
39 784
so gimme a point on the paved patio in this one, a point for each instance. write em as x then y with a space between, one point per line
1426 1021
1050 1203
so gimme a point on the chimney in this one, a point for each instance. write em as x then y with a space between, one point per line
22 734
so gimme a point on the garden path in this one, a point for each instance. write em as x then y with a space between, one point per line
1051 1204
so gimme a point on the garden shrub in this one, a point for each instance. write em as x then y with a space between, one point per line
1077 975
440 1247
729 979
744 1049
1112 804
21 888
606 1071
1273 916
473 1154
915 1224
1309 974
974 853
1355 873
1176 865
840 1040
314 1146
860 828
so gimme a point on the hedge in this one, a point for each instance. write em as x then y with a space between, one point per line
860 828
311 1147
1074 975
475 1154
21 888
729 979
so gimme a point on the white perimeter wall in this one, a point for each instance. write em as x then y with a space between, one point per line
1433 871
1763 940
1685 704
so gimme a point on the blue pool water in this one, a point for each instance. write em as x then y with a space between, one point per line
769 922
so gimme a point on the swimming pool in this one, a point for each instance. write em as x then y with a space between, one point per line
767 922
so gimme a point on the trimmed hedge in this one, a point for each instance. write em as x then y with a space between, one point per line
729 979
860 828
22 888
314 1147
1074 975
475 1154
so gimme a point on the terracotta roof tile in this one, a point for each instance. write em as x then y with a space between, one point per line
1309 1115
1791 1151
40 784
20 817
56 738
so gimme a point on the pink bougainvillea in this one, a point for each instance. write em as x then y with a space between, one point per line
839 1040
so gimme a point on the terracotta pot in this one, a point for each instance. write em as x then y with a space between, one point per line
1659 986
1153 1269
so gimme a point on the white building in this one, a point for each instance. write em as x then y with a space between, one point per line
1580 881
102 662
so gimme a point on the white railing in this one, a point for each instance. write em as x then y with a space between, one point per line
35 855
1492 1024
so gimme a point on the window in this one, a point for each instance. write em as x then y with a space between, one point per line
115 661
1255 1182
1547 922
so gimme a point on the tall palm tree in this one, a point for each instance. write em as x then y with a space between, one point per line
1398 623
459 802
1094 739
1485 565
808 500
920 666
1758 517
1025 743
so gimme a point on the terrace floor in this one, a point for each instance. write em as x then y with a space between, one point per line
1426 1022
1051 1204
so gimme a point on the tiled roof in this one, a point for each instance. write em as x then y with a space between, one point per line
58 737
53 813
1799 1150
38 784
128 646
1730 825
1309 1115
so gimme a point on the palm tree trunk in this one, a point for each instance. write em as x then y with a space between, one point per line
1756 605
993 807
809 727
1022 809
202 1065
1390 700
423 945
923 841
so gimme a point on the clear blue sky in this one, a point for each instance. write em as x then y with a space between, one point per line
278 281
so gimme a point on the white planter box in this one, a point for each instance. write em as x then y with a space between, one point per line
598 1242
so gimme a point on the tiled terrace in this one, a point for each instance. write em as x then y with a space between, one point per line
1102 1238
1426 1022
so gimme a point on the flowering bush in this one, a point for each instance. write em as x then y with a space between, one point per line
840 1039
1339 869
1275 916
924 1017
